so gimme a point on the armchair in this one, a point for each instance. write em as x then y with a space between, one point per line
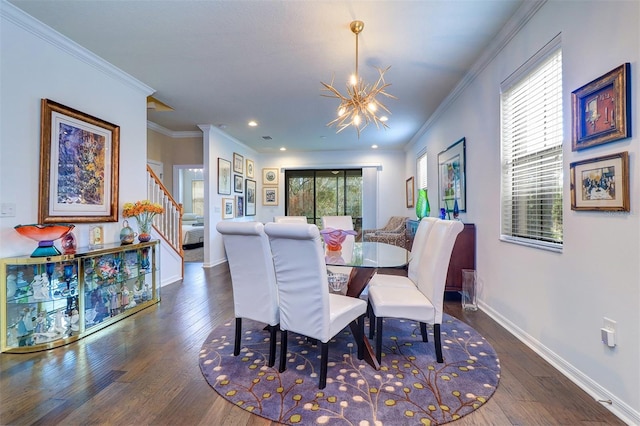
394 232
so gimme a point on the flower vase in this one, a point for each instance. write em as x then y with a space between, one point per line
144 228
422 204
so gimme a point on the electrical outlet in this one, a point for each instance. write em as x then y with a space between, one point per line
609 324
608 332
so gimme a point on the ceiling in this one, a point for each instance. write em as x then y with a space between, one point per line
224 63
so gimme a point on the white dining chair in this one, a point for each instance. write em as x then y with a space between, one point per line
422 303
255 295
306 306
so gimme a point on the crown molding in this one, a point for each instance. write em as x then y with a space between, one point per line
506 34
172 134
30 24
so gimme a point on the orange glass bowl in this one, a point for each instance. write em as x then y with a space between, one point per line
45 235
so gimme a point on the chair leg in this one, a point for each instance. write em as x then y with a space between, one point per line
361 337
323 365
379 339
283 350
372 321
423 331
236 345
273 332
437 342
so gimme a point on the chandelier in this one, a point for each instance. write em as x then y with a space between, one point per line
359 107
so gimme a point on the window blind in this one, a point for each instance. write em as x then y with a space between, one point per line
421 180
531 139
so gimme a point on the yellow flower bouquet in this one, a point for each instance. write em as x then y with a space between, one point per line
144 211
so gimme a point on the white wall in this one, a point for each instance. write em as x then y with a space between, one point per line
39 63
556 302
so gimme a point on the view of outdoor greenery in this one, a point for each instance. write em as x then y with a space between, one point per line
317 193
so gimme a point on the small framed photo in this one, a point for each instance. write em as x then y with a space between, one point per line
250 197
269 195
228 208
224 176
409 191
250 168
239 205
601 110
601 183
452 177
238 163
270 176
238 182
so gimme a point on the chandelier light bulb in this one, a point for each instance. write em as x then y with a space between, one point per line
359 106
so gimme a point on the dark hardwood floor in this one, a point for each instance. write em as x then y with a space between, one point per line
144 371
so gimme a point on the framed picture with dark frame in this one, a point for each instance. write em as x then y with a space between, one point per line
238 182
250 197
79 165
250 169
239 205
601 110
238 163
269 195
452 183
601 183
409 191
224 176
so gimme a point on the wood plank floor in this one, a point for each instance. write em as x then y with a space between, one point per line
144 371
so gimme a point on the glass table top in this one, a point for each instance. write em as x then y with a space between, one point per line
368 255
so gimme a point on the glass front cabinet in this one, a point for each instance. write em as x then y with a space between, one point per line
48 302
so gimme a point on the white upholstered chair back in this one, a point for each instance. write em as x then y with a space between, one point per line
434 262
253 277
290 219
298 257
424 228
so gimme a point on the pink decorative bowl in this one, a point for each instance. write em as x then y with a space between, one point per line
333 238
45 235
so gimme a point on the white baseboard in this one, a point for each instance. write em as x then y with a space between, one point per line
618 407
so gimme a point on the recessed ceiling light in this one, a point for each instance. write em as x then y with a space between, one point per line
252 123
283 149
374 146
267 138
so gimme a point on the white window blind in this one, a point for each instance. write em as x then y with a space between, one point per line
421 180
531 115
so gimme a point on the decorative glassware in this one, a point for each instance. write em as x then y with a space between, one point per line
333 238
423 209
69 243
144 226
127 235
456 210
45 235
469 278
144 211
96 235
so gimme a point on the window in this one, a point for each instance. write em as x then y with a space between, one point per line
317 193
531 193
421 174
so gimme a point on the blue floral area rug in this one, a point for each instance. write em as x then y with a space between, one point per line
410 388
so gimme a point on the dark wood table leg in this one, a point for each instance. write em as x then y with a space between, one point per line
358 280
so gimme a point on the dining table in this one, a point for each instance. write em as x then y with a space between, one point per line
365 258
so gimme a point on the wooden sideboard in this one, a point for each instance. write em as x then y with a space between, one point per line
463 255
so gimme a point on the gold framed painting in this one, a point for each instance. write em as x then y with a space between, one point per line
270 176
601 110
79 162
409 191
601 183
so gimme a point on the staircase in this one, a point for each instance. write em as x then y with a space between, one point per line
168 224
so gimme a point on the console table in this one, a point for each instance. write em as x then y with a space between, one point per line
463 255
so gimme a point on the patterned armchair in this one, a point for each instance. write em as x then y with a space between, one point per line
394 232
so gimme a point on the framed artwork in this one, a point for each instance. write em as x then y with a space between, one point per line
228 208
238 163
601 110
224 176
238 181
79 161
452 184
250 172
239 205
269 195
250 197
601 183
409 191
270 176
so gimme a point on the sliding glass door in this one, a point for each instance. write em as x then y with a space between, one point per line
317 193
